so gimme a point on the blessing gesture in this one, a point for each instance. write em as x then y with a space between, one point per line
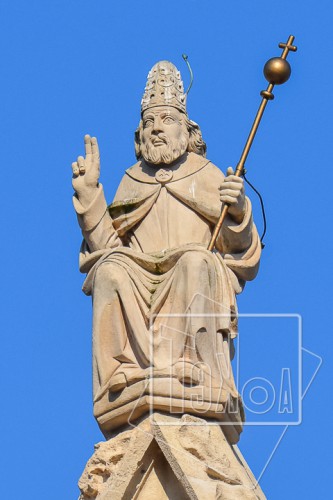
86 172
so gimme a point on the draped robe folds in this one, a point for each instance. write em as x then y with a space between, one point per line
158 294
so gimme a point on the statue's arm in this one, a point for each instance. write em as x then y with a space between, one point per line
238 239
96 223
238 231
89 201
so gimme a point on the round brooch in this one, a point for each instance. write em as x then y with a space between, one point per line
163 175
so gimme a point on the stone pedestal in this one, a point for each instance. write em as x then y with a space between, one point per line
169 457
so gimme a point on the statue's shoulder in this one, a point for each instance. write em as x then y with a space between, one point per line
133 168
141 172
204 166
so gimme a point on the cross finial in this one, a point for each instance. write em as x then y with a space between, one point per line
287 46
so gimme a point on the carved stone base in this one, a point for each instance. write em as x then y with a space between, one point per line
168 395
168 457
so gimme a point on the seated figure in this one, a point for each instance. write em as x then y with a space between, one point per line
163 305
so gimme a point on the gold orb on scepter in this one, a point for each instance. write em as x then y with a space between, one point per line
277 70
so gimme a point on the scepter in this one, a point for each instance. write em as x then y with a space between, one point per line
277 71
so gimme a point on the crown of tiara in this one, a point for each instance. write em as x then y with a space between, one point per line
164 88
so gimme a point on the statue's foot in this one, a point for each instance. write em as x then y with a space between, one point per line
187 373
117 382
135 375
126 377
168 372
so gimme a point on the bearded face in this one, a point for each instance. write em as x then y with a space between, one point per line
164 136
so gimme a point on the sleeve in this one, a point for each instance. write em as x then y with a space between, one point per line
96 223
235 237
240 244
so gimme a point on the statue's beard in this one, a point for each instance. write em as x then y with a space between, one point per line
166 153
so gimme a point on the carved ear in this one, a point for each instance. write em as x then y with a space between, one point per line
196 143
137 141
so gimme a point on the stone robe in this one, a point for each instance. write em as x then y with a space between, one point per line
159 296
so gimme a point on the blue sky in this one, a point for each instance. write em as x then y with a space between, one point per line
70 68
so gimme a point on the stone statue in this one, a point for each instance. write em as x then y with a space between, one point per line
164 308
163 305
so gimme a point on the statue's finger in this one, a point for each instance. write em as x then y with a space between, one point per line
233 178
230 192
75 168
81 164
87 144
231 185
230 200
230 171
94 147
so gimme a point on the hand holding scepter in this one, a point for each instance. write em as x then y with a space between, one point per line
277 71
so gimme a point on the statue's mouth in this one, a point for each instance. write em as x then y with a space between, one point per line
159 142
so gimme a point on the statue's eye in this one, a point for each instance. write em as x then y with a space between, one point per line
148 123
168 120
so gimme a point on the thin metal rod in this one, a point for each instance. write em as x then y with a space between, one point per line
241 163
253 132
266 96
185 57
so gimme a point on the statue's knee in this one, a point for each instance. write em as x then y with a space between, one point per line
111 275
194 262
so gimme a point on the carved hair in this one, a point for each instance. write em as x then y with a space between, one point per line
196 144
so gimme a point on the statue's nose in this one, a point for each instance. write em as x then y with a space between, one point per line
158 125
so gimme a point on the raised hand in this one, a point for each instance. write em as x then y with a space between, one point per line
86 172
232 193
